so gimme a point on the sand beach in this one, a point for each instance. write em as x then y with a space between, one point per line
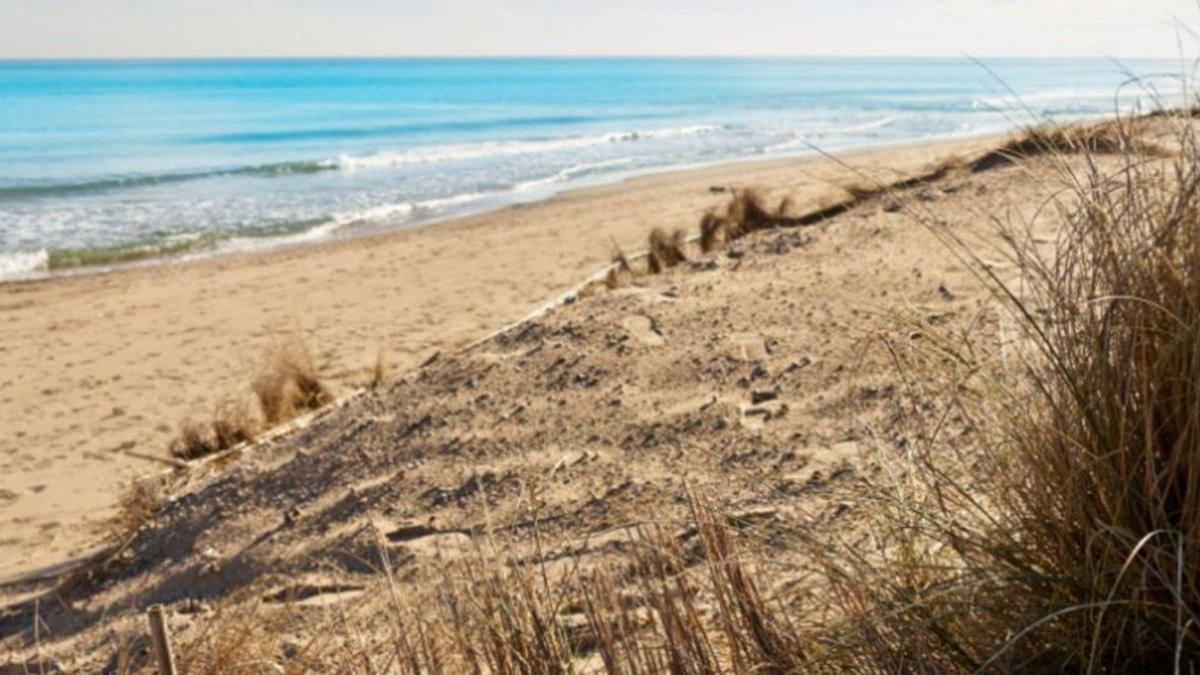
99 370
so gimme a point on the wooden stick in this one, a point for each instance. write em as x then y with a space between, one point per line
162 640
169 461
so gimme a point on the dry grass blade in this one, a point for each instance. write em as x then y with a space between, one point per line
1068 541
379 372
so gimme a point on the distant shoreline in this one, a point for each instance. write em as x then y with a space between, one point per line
110 163
96 364
563 57
305 239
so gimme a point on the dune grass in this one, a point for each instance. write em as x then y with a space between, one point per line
1059 536
620 274
666 251
233 423
379 371
1100 138
1063 539
493 612
287 385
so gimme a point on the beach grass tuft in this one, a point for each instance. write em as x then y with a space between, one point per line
1062 539
621 272
289 383
379 371
1101 138
666 250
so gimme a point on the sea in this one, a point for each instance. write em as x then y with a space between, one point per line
105 163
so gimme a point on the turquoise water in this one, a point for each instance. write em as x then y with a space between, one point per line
102 162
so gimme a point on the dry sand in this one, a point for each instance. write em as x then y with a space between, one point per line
94 367
754 376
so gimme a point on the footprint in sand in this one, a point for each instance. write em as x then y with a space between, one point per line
642 327
748 346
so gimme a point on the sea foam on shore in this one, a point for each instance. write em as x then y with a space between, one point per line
134 162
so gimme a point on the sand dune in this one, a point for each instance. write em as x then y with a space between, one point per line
94 368
744 374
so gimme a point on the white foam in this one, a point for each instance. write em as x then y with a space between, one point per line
375 213
569 173
450 202
803 138
23 264
383 214
1102 99
468 151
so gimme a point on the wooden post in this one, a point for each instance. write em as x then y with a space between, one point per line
162 640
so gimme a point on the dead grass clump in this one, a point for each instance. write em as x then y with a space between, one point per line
650 609
379 372
195 440
748 209
1067 541
745 213
249 638
288 384
1106 138
621 273
232 424
714 232
666 251
137 504
648 614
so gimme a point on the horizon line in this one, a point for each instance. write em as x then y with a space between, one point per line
548 57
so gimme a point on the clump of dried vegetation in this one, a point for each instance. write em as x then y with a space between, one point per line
233 423
287 385
666 251
620 273
1066 539
379 372
137 504
1102 138
745 213
491 611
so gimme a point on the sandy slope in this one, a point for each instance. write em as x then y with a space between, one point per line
96 366
752 375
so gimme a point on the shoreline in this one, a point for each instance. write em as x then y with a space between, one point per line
305 239
102 365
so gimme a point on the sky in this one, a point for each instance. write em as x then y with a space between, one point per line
231 28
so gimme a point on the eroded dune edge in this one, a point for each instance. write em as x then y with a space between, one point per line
772 442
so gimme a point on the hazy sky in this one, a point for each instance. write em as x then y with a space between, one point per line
147 28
